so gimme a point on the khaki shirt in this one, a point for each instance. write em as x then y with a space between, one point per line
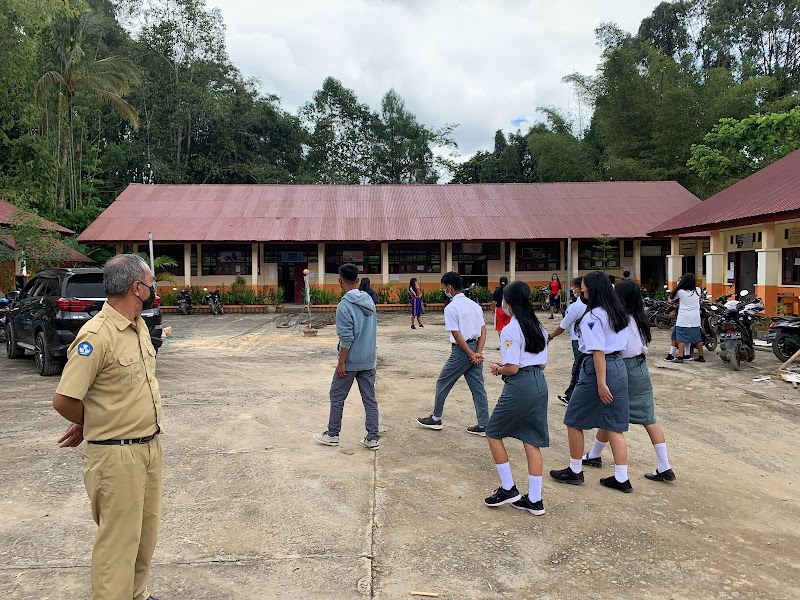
111 367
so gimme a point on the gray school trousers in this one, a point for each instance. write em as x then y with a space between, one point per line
340 387
457 365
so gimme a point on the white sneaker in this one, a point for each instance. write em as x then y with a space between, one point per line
327 440
369 444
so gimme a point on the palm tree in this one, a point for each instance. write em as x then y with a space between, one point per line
160 263
108 79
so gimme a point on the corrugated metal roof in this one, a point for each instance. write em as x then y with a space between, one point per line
73 256
7 210
772 190
302 213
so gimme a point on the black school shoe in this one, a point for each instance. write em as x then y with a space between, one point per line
593 462
611 482
524 503
502 496
700 359
429 423
567 476
477 430
669 357
564 400
667 475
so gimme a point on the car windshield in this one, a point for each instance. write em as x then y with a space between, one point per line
88 285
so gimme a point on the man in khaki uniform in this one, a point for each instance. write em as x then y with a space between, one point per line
110 394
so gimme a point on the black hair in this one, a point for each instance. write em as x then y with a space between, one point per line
602 295
558 279
577 282
503 283
349 272
454 280
412 282
364 285
631 298
626 274
517 295
612 279
687 282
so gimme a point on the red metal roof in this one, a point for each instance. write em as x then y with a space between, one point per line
73 256
7 210
301 213
773 190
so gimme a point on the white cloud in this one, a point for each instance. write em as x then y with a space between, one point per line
482 64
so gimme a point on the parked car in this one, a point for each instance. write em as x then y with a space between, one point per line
52 308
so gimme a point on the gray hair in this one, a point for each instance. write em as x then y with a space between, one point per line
121 272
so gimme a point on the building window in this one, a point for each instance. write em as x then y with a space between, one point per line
468 252
507 266
367 257
290 253
415 258
229 259
591 256
175 252
538 256
791 266
193 259
628 248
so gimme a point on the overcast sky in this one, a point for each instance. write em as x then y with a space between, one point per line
484 64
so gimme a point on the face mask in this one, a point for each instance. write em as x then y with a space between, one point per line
448 294
150 299
505 310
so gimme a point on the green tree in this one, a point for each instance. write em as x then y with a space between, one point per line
38 247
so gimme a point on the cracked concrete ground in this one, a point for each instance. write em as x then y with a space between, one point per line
254 509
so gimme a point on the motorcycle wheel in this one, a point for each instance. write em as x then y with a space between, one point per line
736 362
184 309
711 341
784 346
663 322
213 306
220 310
545 306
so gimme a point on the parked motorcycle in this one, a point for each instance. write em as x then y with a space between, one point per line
214 301
469 292
185 301
545 291
736 330
5 305
785 334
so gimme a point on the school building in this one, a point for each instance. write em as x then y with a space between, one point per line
13 269
269 233
754 229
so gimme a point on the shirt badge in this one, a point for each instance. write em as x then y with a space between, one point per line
85 349
508 344
591 325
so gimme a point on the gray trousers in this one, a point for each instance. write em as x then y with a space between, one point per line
457 365
576 356
340 387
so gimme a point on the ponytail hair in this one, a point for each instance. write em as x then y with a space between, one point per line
517 295
631 299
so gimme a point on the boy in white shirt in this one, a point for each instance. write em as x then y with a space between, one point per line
463 319
574 312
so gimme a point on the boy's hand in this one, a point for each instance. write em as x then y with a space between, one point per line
340 372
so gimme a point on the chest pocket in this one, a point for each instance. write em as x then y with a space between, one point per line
130 369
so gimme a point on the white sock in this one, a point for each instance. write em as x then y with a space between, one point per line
672 350
534 488
687 350
597 449
621 473
575 464
435 418
661 453
506 479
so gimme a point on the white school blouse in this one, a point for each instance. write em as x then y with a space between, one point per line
512 347
465 316
594 333
574 312
689 308
634 346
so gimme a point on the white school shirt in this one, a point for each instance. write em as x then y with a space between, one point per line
465 316
512 347
574 312
689 308
594 333
635 345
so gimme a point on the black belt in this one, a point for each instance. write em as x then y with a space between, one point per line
142 440
468 341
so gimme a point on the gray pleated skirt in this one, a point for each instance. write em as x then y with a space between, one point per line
585 409
640 392
521 410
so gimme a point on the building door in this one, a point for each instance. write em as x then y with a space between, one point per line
290 278
299 282
745 271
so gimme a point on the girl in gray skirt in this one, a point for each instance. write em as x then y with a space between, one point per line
640 388
521 410
600 399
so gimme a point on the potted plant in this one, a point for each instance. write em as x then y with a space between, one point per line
273 299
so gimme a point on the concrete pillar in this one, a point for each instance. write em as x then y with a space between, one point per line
716 273
674 262
768 236
118 249
575 260
698 262
442 258
717 243
199 264
769 277
255 264
187 265
321 263
502 258
512 262
385 262
449 256
562 271
637 261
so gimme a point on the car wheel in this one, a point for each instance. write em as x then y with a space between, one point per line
12 350
45 365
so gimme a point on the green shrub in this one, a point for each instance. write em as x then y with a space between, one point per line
536 294
403 296
280 295
482 294
198 295
169 298
324 296
387 293
273 297
435 296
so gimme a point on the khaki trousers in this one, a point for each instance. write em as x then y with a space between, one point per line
124 484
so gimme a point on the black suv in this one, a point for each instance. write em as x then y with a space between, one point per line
52 308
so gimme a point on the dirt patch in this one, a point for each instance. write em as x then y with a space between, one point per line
253 508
